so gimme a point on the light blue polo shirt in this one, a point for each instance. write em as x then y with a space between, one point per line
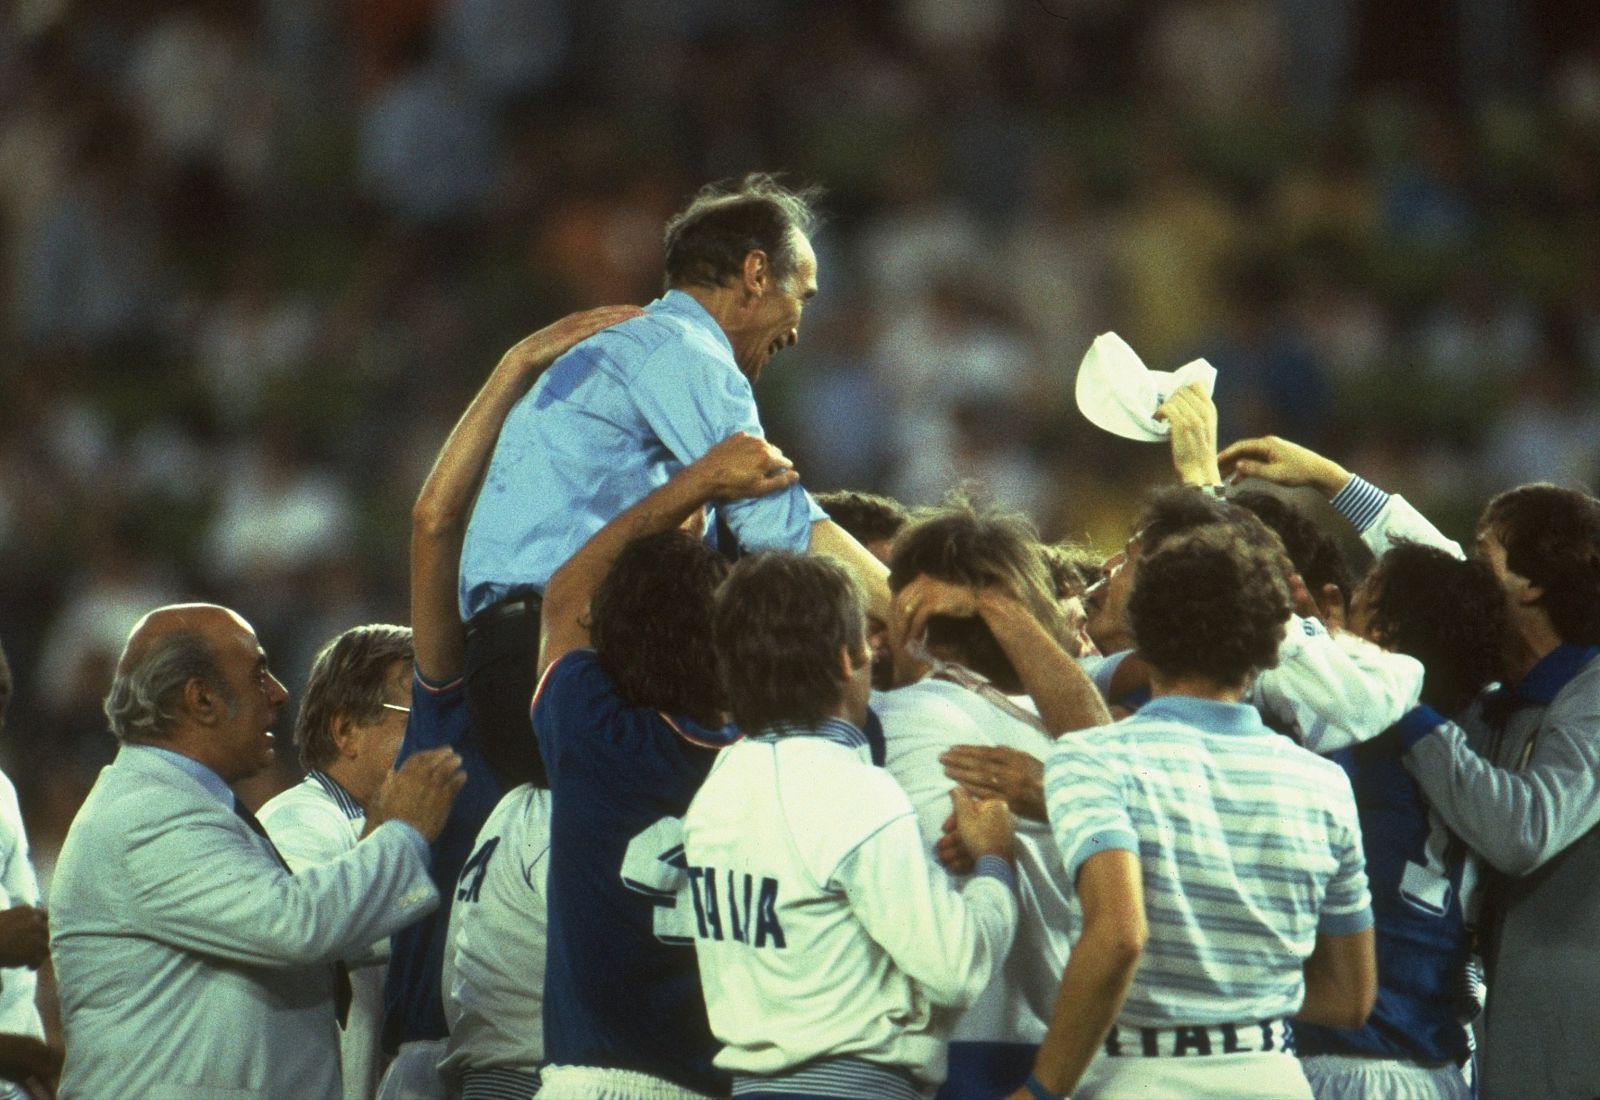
1248 847
610 421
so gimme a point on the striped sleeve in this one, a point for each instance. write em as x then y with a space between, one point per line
1084 795
1347 908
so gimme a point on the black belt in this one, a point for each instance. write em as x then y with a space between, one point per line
513 607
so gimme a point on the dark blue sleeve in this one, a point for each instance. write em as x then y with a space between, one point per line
413 1002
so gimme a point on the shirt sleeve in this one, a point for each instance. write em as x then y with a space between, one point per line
1086 800
1517 820
1335 691
306 835
949 942
693 401
205 883
1347 906
1382 519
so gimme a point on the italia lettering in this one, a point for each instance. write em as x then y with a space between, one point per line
751 907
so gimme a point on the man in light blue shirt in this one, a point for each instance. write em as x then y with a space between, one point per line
619 414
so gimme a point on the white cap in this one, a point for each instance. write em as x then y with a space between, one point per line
1117 392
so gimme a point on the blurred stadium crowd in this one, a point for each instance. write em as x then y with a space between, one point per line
257 255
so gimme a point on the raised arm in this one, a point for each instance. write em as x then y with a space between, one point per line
827 537
1380 518
1067 699
740 466
439 518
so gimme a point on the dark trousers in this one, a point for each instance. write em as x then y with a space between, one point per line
501 666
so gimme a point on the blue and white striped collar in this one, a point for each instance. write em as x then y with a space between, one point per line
341 797
836 730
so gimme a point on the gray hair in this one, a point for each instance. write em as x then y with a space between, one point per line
707 241
143 702
349 677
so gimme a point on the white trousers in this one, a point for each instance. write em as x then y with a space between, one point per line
591 1083
1251 1076
1345 1077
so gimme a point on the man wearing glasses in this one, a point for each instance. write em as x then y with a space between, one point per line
349 728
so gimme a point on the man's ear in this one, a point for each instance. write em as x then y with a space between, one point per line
756 274
847 664
204 702
342 732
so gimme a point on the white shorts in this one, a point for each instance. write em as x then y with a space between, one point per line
1224 1076
590 1083
1349 1077
414 1073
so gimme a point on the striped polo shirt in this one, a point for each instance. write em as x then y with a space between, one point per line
1248 847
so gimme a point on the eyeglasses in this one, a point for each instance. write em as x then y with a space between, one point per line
395 706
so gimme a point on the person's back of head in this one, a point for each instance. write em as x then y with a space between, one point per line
782 623
650 625
1211 602
348 683
1448 613
1315 553
1172 511
707 241
1551 537
145 698
870 519
961 544
1074 568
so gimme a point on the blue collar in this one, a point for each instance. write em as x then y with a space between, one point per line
1206 715
836 730
687 306
209 779
1553 672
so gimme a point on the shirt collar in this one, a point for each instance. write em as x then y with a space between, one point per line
687 306
1546 679
341 797
1206 715
836 730
209 779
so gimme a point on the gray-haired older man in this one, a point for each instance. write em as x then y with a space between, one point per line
191 963
350 725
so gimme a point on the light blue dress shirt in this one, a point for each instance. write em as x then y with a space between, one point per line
610 421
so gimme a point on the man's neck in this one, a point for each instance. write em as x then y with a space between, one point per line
350 783
1530 641
1197 687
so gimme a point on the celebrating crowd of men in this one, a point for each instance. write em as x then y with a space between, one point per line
822 799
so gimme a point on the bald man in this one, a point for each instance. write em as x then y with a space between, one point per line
191 963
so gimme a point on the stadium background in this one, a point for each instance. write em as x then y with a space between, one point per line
258 255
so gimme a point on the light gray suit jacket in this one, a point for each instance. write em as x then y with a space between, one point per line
190 964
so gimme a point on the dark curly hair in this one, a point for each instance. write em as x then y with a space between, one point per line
1172 511
650 624
1552 537
1211 601
962 544
707 241
780 623
1448 613
1315 553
